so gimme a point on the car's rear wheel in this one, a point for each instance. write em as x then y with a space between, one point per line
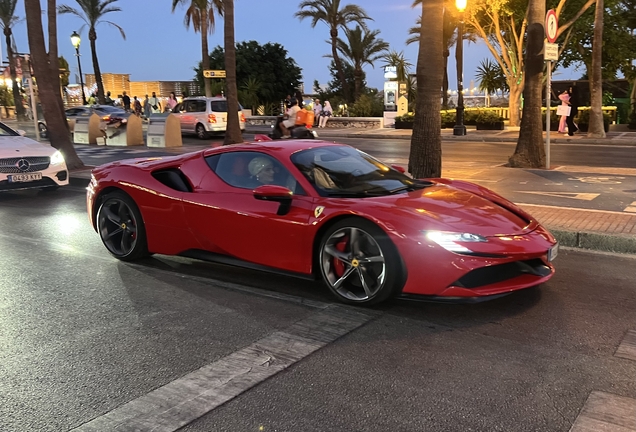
201 132
359 263
121 227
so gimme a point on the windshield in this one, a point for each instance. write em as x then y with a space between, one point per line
7 131
348 172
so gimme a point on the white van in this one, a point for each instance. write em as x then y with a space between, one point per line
205 115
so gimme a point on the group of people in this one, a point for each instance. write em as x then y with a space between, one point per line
569 98
150 105
322 114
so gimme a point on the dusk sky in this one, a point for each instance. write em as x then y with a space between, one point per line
159 47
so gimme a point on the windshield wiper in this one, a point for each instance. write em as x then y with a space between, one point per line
361 194
410 188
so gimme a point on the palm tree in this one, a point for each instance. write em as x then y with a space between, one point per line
200 14
250 90
361 48
397 59
233 130
491 77
48 91
425 159
329 12
92 13
7 20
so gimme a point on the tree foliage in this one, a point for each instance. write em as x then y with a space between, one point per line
268 64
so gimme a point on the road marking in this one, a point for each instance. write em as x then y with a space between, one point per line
627 348
571 208
597 180
597 170
573 195
178 403
606 412
631 208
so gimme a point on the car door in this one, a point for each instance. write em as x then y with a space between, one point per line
227 218
187 116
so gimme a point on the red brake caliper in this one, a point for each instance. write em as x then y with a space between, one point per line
339 266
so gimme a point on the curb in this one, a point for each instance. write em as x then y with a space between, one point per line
577 239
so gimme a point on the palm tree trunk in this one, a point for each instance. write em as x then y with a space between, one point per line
17 96
205 52
530 152
425 159
55 119
54 60
445 81
596 127
92 36
233 132
514 102
338 62
358 82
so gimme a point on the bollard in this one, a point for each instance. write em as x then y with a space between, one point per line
134 131
96 129
164 132
80 131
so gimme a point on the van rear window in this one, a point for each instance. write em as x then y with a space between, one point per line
221 106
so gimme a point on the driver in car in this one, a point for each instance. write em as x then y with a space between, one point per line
290 118
262 170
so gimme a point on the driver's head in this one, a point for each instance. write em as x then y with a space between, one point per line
293 102
262 169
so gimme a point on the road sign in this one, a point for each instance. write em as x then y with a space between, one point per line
214 74
551 52
551 26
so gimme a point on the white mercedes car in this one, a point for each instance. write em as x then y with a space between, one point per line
28 164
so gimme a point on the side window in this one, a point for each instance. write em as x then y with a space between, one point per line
71 112
178 108
249 170
200 106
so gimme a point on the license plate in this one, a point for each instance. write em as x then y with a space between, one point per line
19 178
553 252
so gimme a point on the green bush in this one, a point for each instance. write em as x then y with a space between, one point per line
632 119
367 106
408 117
487 117
583 120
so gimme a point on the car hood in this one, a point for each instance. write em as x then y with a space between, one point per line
16 146
452 209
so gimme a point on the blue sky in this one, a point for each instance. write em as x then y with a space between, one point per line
159 47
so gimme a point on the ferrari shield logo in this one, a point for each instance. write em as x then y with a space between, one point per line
318 211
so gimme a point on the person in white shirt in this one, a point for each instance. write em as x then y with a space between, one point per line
290 118
317 111
327 112
155 105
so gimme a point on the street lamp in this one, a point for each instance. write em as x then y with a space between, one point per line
459 128
75 40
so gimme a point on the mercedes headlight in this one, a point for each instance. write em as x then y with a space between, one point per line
57 158
454 242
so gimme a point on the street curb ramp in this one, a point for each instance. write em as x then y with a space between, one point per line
596 241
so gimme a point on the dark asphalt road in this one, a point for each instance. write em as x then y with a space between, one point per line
82 334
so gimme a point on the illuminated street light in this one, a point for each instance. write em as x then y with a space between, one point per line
459 128
75 40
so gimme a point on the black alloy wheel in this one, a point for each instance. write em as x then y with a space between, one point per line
359 263
121 227
201 132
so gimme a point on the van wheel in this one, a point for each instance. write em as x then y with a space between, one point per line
201 132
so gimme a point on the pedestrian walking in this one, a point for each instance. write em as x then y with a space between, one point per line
326 112
108 100
147 109
155 105
317 111
564 111
137 106
92 99
172 102
126 99
574 109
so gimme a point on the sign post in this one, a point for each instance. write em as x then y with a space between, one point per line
550 52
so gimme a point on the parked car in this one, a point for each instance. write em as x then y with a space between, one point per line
109 114
205 115
28 164
322 210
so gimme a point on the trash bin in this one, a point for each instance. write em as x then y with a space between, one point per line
164 131
128 133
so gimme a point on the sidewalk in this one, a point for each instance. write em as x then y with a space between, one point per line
613 138
599 230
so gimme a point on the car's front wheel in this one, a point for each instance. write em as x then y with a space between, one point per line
359 263
121 227
201 132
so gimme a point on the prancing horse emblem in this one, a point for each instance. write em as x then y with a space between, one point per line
318 211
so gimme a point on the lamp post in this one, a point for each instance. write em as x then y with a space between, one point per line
75 40
459 128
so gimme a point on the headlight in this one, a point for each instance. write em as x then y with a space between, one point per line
57 158
453 241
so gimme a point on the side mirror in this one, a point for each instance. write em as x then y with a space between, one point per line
398 168
278 194
21 132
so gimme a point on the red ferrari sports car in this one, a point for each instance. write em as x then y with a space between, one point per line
322 210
